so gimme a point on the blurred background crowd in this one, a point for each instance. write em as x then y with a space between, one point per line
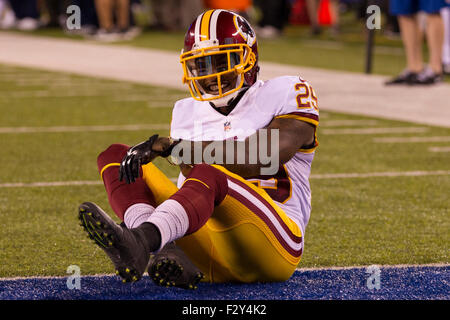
108 19
119 20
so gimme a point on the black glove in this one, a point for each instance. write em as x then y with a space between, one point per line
137 156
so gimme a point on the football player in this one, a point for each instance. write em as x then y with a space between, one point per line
225 221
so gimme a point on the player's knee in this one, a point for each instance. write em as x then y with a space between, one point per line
113 154
213 178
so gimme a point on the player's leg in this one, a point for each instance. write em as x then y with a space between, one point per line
249 237
244 221
185 214
134 204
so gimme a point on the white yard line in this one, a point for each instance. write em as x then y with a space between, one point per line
374 130
50 184
174 179
439 149
61 129
55 277
350 123
380 174
57 184
411 139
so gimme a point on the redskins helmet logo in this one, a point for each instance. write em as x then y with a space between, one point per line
245 30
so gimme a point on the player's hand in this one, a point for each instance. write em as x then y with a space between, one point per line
137 156
142 154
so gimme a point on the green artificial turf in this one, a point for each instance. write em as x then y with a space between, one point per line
354 221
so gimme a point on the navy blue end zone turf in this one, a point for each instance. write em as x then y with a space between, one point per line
404 283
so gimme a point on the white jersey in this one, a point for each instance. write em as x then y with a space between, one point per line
281 97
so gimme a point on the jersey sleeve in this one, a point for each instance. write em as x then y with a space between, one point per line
300 103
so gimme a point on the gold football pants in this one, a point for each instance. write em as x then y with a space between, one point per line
248 238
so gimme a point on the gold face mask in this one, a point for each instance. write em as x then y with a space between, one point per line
216 71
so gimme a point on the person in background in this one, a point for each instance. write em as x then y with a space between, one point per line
313 8
175 15
7 17
26 13
56 12
275 14
416 72
114 20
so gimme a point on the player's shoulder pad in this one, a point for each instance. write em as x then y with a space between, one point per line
300 100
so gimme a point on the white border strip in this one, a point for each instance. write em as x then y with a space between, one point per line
299 269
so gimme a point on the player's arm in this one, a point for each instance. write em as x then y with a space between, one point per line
288 134
292 136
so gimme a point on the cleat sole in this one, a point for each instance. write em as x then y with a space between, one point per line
99 232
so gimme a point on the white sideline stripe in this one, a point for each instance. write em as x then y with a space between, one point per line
299 269
174 180
57 183
60 129
57 277
375 130
294 245
439 149
412 139
50 184
380 174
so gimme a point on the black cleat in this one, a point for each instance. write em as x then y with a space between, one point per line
172 268
124 247
406 77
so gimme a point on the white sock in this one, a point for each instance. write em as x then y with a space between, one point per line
137 214
171 220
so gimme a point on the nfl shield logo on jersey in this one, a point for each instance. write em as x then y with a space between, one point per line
227 126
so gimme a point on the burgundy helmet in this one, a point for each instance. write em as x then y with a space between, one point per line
219 43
